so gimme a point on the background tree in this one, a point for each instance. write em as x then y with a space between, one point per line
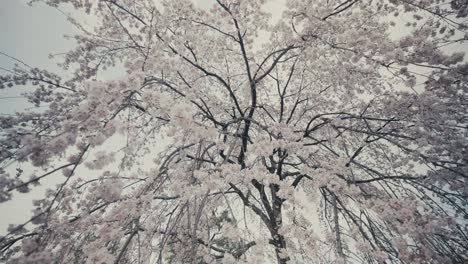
335 141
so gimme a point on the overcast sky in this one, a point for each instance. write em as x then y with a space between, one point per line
29 34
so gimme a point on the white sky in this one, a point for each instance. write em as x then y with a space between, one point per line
29 34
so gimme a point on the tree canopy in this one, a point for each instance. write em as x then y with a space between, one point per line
337 133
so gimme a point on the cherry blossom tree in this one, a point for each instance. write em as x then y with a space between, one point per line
336 134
